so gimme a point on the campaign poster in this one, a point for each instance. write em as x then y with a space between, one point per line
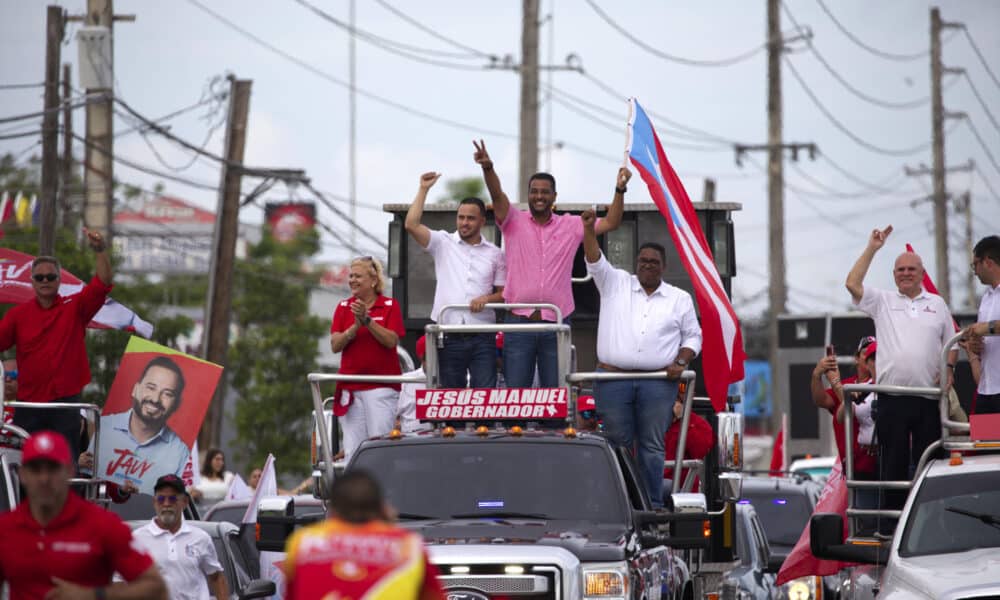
288 219
152 415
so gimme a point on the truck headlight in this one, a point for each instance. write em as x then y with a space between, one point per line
803 588
605 581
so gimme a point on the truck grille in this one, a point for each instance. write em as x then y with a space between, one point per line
537 582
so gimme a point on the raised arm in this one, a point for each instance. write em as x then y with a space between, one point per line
856 277
827 364
617 207
591 249
499 199
417 230
96 241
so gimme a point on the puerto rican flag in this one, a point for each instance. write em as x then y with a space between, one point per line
722 341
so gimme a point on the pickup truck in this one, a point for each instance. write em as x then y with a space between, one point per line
540 513
946 544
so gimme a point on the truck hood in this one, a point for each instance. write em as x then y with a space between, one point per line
943 576
589 542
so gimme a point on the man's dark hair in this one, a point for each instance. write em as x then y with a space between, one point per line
167 363
477 202
356 497
988 247
46 259
658 248
545 177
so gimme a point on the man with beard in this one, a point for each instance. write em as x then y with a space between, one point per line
540 247
185 554
984 352
142 431
646 325
470 270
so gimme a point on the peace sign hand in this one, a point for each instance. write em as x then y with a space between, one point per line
481 156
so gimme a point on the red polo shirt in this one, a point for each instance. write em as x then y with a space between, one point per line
51 354
364 355
84 544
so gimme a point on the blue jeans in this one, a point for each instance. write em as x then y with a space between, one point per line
474 354
522 351
637 414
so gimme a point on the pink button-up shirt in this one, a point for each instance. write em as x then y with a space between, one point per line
540 260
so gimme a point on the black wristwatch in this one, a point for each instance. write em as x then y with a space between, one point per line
621 190
366 321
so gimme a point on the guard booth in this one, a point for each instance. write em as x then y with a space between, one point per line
412 269
802 340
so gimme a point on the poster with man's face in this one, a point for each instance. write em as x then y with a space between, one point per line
153 414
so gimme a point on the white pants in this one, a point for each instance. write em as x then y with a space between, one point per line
373 413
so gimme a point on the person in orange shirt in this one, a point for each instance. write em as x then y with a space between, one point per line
357 552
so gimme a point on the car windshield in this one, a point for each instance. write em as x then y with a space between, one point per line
783 513
555 481
955 513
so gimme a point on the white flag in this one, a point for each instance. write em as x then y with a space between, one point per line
238 489
267 486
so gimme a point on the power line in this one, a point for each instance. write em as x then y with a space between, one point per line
73 104
147 170
336 81
883 53
831 192
858 140
385 43
982 59
12 136
986 182
881 186
986 149
847 85
975 92
431 31
725 62
21 86
344 216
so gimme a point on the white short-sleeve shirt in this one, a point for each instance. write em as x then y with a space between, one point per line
639 331
989 310
911 333
183 558
464 272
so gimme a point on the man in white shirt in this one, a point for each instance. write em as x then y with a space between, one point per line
984 349
470 271
912 327
645 325
184 554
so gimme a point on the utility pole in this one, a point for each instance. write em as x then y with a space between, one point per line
97 52
708 194
220 282
938 115
964 205
54 29
65 205
528 163
777 292
920 171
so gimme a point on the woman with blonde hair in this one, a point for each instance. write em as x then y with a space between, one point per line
366 328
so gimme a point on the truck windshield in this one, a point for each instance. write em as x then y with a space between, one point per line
499 480
955 513
783 513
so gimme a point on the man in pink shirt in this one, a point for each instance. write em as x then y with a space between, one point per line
540 247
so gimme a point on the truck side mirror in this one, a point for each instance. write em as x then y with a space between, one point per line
730 486
729 440
826 540
275 522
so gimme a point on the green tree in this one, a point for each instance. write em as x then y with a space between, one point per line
458 189
276 347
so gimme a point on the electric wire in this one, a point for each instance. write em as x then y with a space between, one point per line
982 143
21 86
364 232
986 182
979 54
843 129
982 103
725 62
902 57
430 30
339 82
384 43
13 136
847 85
71 104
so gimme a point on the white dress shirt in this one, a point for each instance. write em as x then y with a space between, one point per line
183 558
406 410
911 333
989 310
464 272
639 331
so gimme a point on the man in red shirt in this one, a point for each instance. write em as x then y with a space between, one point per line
357 552
58 546
48 332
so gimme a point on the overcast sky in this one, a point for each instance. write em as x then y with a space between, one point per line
299 117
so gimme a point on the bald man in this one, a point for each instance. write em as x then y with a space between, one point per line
912 327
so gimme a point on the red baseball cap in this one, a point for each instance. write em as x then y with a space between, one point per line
870 349
585 403
421 347
46 445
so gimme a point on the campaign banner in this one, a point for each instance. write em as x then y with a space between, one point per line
491 404
152 415
288 219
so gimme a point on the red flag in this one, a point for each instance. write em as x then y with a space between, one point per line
722 342
778 454
800 561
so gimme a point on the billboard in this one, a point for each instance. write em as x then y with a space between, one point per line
287 219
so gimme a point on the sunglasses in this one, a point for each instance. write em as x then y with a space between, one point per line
40 277
162 499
